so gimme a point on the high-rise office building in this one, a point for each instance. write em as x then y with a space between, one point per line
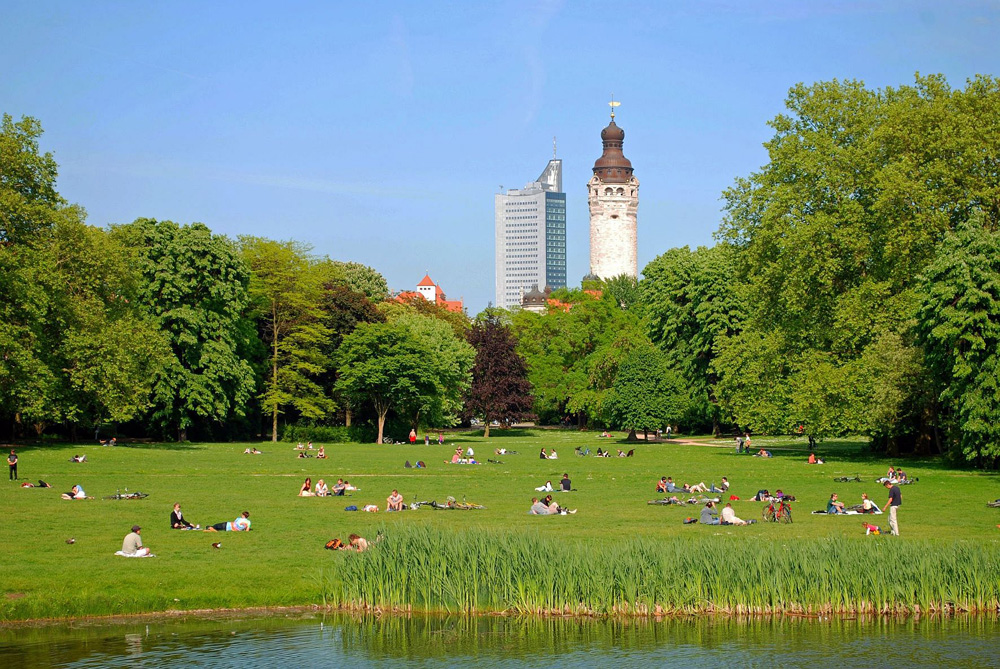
613 196
531 237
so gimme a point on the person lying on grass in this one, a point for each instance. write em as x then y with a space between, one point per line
178 522
834 506
356 543
555 508
763 454
251 451
545 488
241 524
394 502
306 489
76 493
729 516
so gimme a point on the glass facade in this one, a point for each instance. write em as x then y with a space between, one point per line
555 240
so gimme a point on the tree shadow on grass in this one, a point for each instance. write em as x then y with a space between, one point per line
78 447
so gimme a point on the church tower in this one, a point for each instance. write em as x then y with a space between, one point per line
613 196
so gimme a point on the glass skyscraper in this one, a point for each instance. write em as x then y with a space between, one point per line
531 237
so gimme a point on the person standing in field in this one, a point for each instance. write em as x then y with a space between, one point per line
895 501
12 464
413 436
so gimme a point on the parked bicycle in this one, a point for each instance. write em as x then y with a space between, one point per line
779 511
127 495
847 479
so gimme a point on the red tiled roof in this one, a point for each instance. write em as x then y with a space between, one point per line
426 281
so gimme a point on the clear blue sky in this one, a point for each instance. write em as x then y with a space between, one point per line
379 131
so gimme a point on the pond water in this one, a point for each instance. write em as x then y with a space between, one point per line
304 640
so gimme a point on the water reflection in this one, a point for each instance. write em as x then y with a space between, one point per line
426 641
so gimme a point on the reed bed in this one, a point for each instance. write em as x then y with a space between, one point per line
421 568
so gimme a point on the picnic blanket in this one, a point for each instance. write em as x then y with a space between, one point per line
134 556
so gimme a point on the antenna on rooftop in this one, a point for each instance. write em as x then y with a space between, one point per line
553 147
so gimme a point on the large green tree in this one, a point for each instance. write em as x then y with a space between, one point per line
646 393
860 187
959 328
286 290
690 302
194 287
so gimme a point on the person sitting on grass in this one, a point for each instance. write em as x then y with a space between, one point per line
321 454
178 522
661 485
394 502
553 455
76 493
708 516
565 485
339 487
545 488
542 455
867 506
538 508
833 506
321 489
600 453
306 489
621 453
241 524
132 545
729 516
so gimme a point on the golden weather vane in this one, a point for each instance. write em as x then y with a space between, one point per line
614 103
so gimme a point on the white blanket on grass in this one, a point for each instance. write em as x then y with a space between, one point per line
134 555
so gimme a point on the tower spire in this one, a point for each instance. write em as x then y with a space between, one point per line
553 147
614 103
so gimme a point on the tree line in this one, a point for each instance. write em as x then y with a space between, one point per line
853 287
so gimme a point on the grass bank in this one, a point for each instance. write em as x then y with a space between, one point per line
282 561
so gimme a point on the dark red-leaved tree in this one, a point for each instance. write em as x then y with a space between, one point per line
500 389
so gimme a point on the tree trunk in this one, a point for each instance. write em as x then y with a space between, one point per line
631 435
716 430
182 434
381 424
645 434
486 432
274 371
347 417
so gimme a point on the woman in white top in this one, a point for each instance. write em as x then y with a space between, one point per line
553 455
545 488
729 516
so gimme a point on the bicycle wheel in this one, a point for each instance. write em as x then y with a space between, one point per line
768 514
785 514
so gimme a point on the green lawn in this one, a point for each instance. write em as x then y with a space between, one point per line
282 561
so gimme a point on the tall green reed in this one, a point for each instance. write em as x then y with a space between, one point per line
481 570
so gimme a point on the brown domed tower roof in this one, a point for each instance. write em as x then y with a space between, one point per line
613 166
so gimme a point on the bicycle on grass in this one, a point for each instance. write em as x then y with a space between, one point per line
777 511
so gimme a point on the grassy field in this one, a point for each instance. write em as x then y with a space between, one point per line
283 562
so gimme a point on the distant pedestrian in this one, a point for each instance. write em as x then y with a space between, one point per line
12 463
427 439
895 501
440 438
413 436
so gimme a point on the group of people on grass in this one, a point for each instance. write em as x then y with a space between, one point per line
340 488
543 455
709 516
547 507
565 485
666 485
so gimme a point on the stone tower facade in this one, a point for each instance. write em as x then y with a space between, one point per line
613 196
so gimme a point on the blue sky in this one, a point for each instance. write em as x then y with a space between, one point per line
379 131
